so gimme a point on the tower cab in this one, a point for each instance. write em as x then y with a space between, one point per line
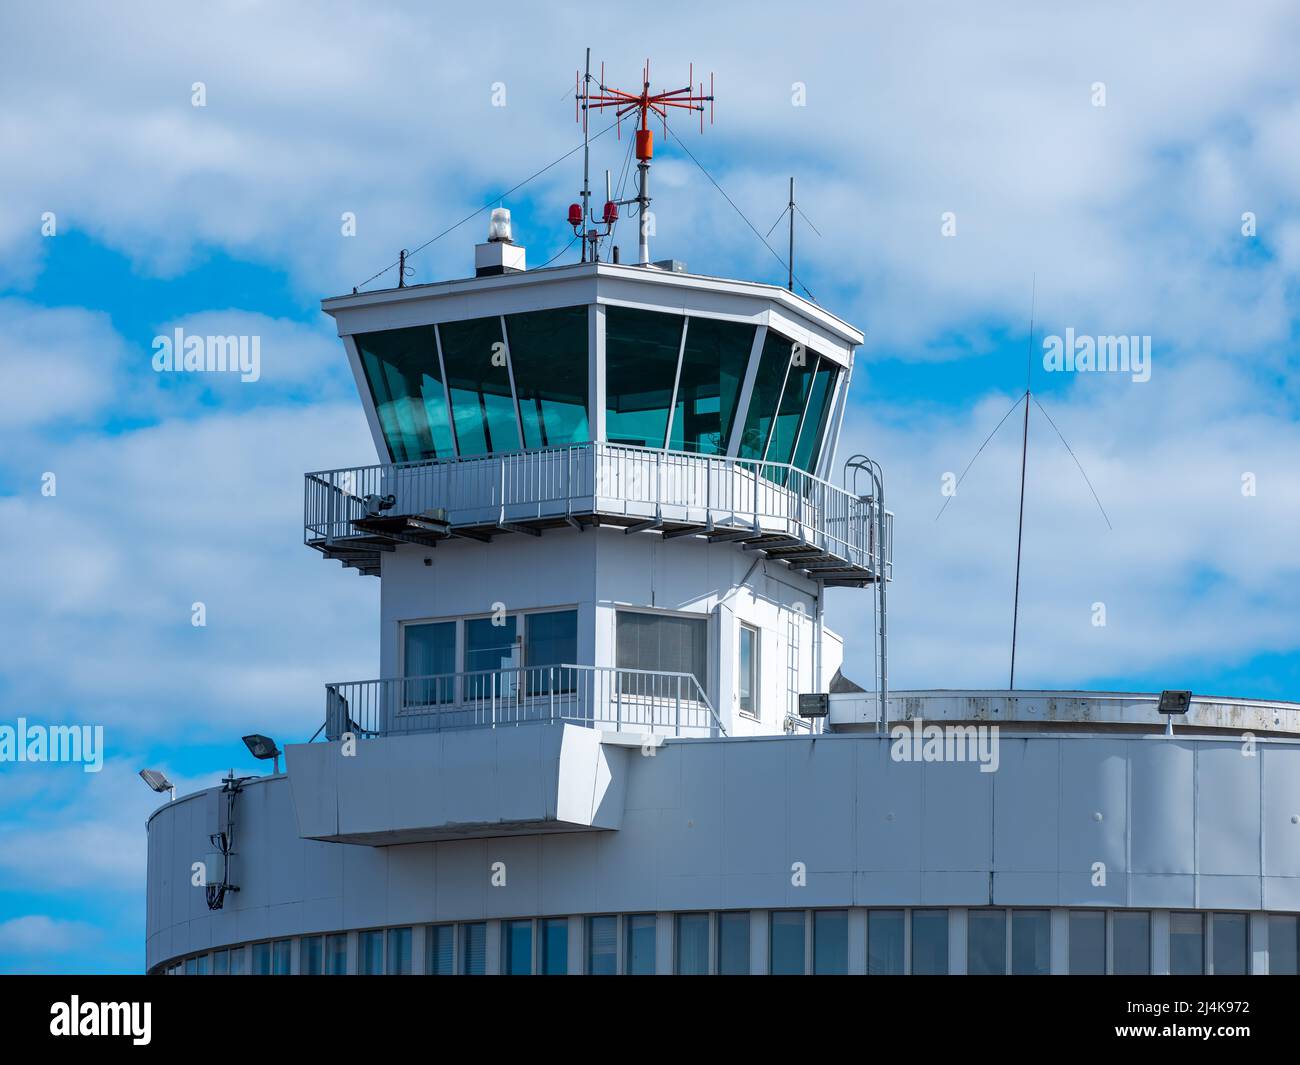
605 498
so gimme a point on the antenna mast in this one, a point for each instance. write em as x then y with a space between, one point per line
1024 456
642 104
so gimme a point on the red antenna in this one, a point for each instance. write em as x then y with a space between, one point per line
643 104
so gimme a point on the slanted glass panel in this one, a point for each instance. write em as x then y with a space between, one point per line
772 366
809 448
733 943
548 353
1087 942
885 938
708 390
641 349
798 386
482 405
401 368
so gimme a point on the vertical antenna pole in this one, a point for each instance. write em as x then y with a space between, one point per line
790 280
586 155
1024 455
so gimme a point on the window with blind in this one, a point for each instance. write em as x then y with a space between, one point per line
662 643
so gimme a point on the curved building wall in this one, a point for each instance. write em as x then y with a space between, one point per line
831 827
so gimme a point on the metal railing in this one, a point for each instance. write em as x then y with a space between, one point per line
632 700
644 484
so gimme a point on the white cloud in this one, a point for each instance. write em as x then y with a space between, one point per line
39 934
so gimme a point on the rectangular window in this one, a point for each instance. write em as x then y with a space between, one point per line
261 959
1031 942
748 671
473 959
929 942
478 377
602 946
238 958
440 950
554 933
794 398
733 944
831 942
398 961
708 387
692 944
786 933
1130 933
517 948
639 945
221 963
885 932
661 643
191 966
491 648
1283 945
282 964
1230 938
986 942
336 954
312 955
641 349
550 640
429 650
1087 942
1186 944
548 354
768 382
372 953
405 381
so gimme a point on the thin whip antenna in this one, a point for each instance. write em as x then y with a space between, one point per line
1082 472
1024 460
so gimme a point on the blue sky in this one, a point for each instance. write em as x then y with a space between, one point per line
226 219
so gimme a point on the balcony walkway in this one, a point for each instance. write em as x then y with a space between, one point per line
816 528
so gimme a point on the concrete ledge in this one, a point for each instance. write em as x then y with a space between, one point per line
475 783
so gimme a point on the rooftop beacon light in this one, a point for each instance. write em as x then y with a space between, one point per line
500 254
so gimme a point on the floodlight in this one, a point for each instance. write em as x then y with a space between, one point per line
157 781
1175 702
263 747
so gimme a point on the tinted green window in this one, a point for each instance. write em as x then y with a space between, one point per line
401 368
794 398
482 405
708 389
808 449
641 349
548 354
772 366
